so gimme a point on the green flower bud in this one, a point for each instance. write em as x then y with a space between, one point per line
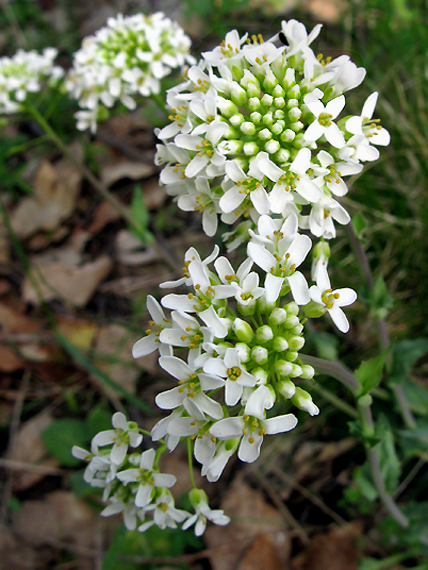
226 107
197 496
261 375
283 155
278 91
303 401
288 135
256 117
291 356
250 148
279 114
296 372
253 90
237 120
296 343
247 309
264 334
265 134
286 388
294 92
264 306
292 308
270 81
289 78
272 147
277 316
267 100
321 248
279 102
238 94
254 103
291 103
297 126
279 344
307 372
248 128
297 330
313 310
278 127
268 119
243 330
294 114
290 322
283 368
259 354
243 351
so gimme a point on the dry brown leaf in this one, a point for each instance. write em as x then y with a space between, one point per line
56 189
9 360
251 517
104 214
14 553
154 194
333 550
60 274
28 448
261 554
130 251
115 343
111 173
60 516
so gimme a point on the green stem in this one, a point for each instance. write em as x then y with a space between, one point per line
340 404
190 460
159 452
342 374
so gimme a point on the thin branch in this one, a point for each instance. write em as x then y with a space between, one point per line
334 369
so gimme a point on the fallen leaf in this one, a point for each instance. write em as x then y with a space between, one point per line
14 553
131 251
104 214
154 194
9 360
59 516
261 554
28 448
56 189
80 332
60 274
111 173
113 355
252 517
333 550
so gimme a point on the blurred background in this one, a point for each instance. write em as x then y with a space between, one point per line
308 504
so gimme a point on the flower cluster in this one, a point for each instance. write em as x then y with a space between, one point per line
242 344
125 59
133 484
25 73
255 130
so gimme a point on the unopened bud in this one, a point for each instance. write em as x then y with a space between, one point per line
278 91
283 155
283 368
307 372
286 388
279 344
265 134
303 400
268 119
237 120
288 135
297 371
279 102
270 80
296 343
292 103
243 351
294 92
291 321
272 146
259 354
238 94
247 309
292 308
256 117
243 330
267 100
261 375
297 126
247 128
250 148
277 316
264 334
291 356
253 103
264 306
294 114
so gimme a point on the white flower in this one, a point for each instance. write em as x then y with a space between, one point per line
251 430
368 126
332 300
232 370
199 501
164 513
126 58
151 341
129 510
323 124
124 435
214 468
146 478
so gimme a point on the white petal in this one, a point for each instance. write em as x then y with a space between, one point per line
232 199
369 106
119 421
314 131
249 452
335 136
176 367
339 318
164 480
347 296
228 428
299 288
280 424
144 346
273 285
335 106
147 459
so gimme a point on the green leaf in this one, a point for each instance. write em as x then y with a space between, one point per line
404 354
415 441
360 224
380 301
390 466
60 436
357 429
141 217
98 420
416 396
114 549
369 373
79 486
